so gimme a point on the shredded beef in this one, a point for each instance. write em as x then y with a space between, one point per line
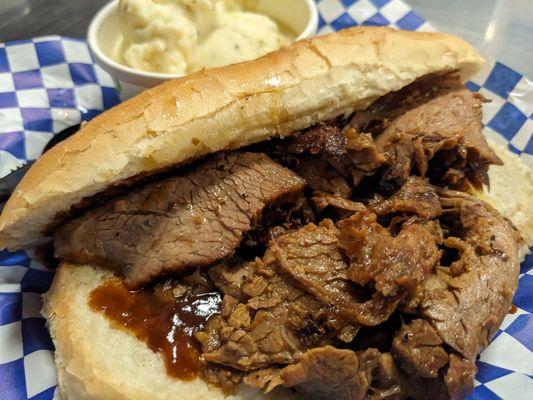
331 157
388 262
322 140
435 115
415 197
340 206
330 373
187 221
418 349
459 378
357 272
320 176
265 319
343 274
297 297
467 301
311 257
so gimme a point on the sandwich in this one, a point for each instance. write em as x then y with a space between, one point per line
312 224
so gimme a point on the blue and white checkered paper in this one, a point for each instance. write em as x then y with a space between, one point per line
47 84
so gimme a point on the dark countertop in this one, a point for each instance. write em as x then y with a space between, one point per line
23 19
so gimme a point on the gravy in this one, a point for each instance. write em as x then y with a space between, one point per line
165 322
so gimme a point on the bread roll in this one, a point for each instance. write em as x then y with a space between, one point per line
225 108
511 191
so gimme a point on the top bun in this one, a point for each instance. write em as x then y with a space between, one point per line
225 108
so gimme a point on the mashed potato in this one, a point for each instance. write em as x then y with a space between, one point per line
180 36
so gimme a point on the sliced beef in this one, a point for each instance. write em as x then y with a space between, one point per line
188 221
322 139
461 305
436 117
415 197
418 349
329 157
467 301
310 256
388 262
265 319
330 373
320 176
460 376
277 220
340 207
266 378
362 158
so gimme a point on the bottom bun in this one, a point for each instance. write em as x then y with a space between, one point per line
96 361
511 191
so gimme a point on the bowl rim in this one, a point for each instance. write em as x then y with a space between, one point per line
132 75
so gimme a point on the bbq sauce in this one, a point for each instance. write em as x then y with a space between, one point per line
163 319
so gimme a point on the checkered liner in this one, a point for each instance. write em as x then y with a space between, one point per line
50 83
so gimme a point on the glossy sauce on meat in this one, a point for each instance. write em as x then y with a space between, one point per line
164 322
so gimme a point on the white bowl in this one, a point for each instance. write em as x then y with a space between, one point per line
300 16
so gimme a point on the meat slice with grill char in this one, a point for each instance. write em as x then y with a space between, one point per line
187 221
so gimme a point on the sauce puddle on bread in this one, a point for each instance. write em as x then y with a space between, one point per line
165 317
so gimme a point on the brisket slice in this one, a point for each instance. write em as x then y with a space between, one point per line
436 117
187 221
329 373
467 301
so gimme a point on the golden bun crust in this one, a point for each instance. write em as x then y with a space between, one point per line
225 108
